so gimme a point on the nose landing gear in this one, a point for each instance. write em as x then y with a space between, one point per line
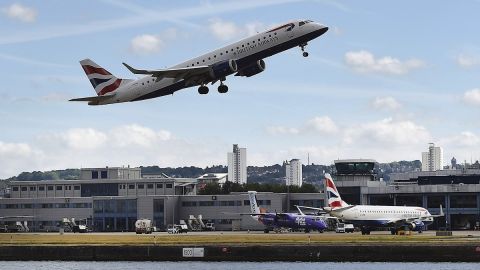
302 46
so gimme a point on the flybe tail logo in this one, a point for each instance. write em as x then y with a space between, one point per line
253 202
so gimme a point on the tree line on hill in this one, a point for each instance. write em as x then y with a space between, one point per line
274 174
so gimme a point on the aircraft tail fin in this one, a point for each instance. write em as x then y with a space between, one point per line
254 209
102 81
334 199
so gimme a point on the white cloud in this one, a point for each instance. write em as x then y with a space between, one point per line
137 135
364 61
21 13
385 103
14 149
467 61
280 130
322 124
133 145
15 155
75 139
466 139
225 30
318 124
472 97
387 132
146 44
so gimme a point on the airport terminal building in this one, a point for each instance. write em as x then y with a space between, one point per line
458 191
112 199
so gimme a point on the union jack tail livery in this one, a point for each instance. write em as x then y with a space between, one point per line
102 81
334 199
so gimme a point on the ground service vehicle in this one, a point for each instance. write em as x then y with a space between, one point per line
344 228
144 226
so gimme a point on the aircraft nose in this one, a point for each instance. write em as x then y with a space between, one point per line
321 28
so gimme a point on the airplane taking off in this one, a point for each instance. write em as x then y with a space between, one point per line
276 221
243 58
370 216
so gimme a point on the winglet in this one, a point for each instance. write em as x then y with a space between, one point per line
441 211
133 70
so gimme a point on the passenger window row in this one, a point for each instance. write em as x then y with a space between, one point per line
231 50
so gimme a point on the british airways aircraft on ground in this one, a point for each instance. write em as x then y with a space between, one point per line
276 221
242 58
370 216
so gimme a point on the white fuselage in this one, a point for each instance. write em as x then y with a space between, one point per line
258 44
381 215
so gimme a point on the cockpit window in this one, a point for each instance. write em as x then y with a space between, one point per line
304 22
290 27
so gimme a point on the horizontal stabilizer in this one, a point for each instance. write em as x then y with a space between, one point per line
95 100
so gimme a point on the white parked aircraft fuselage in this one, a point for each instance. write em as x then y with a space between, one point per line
373 215
244 52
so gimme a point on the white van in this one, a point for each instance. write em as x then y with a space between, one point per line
344 228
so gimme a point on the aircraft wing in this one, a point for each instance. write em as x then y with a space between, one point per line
94 98
309 207
243 214
326 209
175 73
422 218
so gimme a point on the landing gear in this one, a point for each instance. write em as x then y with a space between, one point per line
393 231
203 90
302 46
222 88
266 231
365 231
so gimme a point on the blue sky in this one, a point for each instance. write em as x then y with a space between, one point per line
385 80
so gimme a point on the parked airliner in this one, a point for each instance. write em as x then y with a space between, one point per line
242 58
370 216
276 221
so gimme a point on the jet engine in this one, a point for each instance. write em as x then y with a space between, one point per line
252 69
416 226
222 69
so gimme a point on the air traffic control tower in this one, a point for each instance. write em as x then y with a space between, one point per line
353 175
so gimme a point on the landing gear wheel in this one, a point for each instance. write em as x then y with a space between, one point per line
302 46
266 231
203 90
222 88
